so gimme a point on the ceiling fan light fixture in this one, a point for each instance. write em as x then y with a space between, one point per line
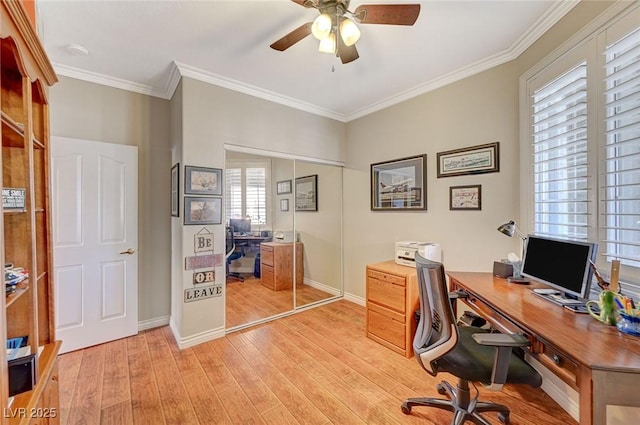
349 32
328 44
321 27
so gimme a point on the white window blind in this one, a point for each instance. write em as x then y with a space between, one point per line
621 199
560 161
256 208
246 191
233 196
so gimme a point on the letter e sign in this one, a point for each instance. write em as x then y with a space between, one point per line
203 242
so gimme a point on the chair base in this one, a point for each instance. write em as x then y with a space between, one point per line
234 275
460 404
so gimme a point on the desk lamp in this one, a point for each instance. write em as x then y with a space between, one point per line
509 229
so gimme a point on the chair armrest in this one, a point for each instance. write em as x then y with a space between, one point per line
504 344
501 340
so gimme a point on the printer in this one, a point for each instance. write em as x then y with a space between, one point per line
406 252
285 236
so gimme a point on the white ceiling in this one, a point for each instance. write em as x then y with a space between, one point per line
145 46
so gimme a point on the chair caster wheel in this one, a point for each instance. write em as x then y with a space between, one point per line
504 418
406 409
441 389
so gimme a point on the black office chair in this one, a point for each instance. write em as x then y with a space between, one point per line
232 254
471 354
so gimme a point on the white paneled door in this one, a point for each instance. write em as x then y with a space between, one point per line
95 240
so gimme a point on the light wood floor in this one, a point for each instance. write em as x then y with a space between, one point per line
315 367
249 301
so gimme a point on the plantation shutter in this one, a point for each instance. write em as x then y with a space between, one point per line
560 161
233 196
621 200
256 195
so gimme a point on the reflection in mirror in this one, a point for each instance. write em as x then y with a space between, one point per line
317 202
252 213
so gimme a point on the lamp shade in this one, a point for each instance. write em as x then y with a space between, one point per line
328 44
508 228
321 27
349 32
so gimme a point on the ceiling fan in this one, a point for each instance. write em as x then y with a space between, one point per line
335 27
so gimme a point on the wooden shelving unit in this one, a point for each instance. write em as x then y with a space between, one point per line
26 75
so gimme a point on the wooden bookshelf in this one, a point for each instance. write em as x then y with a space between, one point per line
26 75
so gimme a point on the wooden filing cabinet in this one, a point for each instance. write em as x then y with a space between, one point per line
276 265
392 299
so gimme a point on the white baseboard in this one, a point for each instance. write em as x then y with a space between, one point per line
355 299
143 325
561 393
195 339
322 287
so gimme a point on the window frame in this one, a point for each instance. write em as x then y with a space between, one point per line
589 44
243 165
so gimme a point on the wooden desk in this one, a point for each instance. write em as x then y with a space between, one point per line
599 362
276 265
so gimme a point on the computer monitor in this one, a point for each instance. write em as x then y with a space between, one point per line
563 265
240 225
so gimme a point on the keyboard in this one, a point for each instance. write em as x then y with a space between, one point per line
582 308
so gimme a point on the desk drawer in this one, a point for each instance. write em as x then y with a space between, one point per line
387 325
386 294
562 366
267 276
266 255
391 278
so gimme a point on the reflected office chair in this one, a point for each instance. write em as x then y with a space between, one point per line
232 254
471 354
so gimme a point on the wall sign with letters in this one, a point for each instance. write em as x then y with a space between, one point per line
204 259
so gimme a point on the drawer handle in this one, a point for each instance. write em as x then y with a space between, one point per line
556 359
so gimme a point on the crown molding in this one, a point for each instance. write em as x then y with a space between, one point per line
107 80
231 84
533 33
178 70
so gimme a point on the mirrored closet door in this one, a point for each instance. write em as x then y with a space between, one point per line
284 217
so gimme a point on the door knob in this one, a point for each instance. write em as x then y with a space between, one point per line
129 251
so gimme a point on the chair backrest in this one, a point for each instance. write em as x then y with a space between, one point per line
437 332
230 242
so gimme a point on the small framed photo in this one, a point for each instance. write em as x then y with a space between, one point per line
175 190
202 181
198 210
465 197
283 187
307 193
284 204
472 160
400 184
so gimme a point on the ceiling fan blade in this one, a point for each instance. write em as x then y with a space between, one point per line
305 3
389 14
293 37
347 53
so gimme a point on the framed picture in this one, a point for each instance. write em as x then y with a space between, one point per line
202 181
307 193
465 197
198 210
472 160
400 184
175 190
283 187
284 204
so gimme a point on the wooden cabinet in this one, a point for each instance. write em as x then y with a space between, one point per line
25 226
276 265
392 299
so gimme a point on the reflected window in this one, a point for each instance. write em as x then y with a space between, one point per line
246 190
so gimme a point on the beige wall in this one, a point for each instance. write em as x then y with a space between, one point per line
90 111
477 110
212 117
480 109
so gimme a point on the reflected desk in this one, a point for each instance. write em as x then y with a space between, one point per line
599 362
